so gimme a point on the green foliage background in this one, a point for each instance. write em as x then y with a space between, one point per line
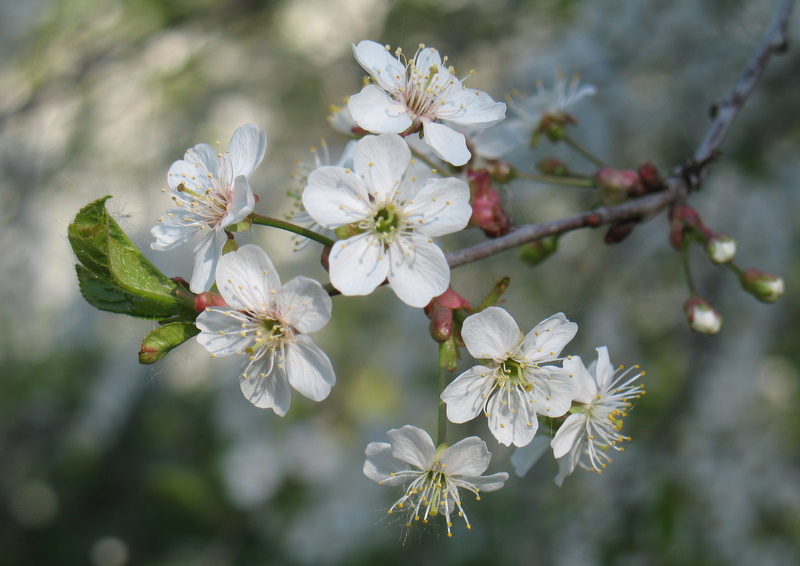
107 462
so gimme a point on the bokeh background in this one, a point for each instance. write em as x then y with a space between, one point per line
109 463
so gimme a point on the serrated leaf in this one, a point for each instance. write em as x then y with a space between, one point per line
162 340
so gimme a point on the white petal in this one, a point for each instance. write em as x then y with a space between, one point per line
204 159
246 279
498 141
241 202
335 197
467 457
191 174
500 420
525 457
427 58
246 149
206 255
413 445
586 388
418 271
269 392
511 417
603 372
380 464
358 265
386 69
441 206
491 334
489 483
567 464
382 161
377 112
546 341
221 331
554 390
448 144
470 107
568 435
466 395
173 230
308 368
303 304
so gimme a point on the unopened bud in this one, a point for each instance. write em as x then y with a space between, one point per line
618 183
501 171
552 167
534 253
684 221
651 180
763 286
701 316
440 312
487 210
721 249
208 299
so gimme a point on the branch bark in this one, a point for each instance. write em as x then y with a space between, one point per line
684 179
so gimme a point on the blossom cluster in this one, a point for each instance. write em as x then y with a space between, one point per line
380 210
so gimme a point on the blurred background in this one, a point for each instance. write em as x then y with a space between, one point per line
109 463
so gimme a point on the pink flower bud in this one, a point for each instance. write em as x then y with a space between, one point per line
721 248
684 221
208 299
487 210
618 181
701 316
440 312
763 286
553 167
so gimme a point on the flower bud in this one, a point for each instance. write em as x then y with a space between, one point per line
721 248
487 210
763 286
701 316
440 312
651 180
208 299
684 222
621 182
552 167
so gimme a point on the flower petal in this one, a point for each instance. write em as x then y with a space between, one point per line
246 279
418 270
525 457
308 368
603 371
377 112
386 69
246 150
467 457
358 265
441 206
173 230
491 334
241 202
303 304
488 483
586 388
382 161
511 417
381 464
413 445
568 435
221 331
335 197
554 390
466 395
266 390
470 107
546 341
191 174
448 144
206 255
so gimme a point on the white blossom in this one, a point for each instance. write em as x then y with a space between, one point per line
433 476
601 403
267 323
518 381
420 93
397 217
211 190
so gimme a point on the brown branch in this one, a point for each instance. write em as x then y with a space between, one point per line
684 179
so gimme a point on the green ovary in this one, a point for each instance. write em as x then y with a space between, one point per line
513 372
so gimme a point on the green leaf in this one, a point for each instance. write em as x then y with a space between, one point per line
115 276
160 341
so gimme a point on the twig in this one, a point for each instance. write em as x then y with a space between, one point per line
685 179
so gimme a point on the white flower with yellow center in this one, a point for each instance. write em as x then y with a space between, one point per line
211 190
420 93
518 381
267 323
433 476
602 401
396 216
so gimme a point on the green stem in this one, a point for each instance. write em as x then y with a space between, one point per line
441 431
583 151
580 182
687 271
289 227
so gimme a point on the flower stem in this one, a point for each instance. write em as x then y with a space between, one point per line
685 261
583 151
581 182
435 168
289 227
441 431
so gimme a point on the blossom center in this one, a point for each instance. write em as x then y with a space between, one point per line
387 222
513 373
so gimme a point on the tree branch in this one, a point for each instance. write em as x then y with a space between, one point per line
684 179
